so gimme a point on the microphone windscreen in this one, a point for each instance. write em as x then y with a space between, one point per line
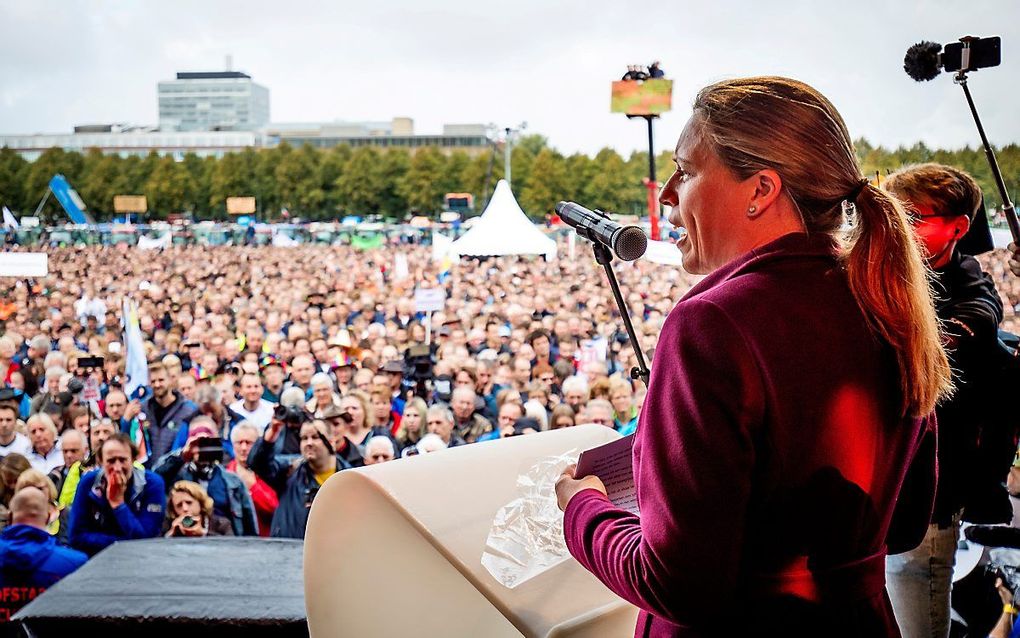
994 536
630 243
922 61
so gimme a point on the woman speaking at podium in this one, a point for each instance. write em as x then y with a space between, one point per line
784 447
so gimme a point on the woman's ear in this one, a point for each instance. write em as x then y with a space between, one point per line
765 186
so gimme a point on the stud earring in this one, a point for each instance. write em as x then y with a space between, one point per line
752 209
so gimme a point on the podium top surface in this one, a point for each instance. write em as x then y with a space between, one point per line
223 580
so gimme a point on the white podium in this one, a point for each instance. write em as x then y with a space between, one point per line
395 550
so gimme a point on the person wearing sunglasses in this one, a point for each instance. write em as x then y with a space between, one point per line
942 202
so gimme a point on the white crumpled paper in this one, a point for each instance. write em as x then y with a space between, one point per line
526 537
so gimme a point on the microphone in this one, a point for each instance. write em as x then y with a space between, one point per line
922 61
993 536
628 242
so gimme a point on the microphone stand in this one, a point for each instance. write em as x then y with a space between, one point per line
604 256
1007 205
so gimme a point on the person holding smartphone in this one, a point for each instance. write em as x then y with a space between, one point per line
189 513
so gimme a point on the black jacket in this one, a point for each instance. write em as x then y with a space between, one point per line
970 310
296 488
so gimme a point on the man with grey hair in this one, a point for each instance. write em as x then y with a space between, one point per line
439 420
601 412
45 454
55 359
53 376
323 396
35 350
468 424
379 449
73 447
243 438
575 392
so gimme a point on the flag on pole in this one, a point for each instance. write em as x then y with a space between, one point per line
10 221
136 368
444 254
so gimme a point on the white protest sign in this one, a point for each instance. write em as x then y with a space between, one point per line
429 299
23 264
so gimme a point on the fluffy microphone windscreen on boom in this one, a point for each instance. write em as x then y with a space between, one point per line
922 61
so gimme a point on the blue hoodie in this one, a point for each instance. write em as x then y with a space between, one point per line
30 557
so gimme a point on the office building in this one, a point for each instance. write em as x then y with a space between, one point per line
212 101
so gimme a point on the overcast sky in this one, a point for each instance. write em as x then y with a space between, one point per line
474 61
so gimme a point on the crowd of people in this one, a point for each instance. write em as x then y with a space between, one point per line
270 369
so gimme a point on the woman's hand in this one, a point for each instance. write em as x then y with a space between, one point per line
567 486
177 528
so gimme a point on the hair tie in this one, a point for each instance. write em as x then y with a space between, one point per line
856 191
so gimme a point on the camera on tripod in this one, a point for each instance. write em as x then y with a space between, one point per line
419 369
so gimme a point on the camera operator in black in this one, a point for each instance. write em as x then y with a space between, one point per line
942 202
296 485
231 498
287 420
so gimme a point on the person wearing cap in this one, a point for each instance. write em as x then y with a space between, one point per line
339 420
342 368
394 371
942 202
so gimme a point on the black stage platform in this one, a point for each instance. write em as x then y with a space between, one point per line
219 587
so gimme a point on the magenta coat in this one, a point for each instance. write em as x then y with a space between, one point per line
768 458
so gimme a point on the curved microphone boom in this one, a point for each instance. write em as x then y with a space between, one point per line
627 242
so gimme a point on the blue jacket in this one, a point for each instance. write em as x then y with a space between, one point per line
239 508
94 525
30 557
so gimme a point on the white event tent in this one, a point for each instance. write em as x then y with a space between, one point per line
504 229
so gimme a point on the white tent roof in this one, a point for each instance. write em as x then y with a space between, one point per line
504 229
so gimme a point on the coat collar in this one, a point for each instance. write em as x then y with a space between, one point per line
791 245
